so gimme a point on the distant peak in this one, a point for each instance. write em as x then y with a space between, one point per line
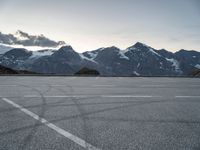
110 48
162 49
139 44
114 47
21 33
18 52
182 50
66 48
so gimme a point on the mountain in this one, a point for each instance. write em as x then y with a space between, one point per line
87 72
63 61
111 61
4 48
5 70
146 61
189 60
16 59
137 60
24 39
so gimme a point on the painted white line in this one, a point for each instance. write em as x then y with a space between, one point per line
89 96
66 134
56 96
152 86
103 85
59 85
127 96
187 96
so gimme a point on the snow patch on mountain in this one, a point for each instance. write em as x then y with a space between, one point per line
152 51
86 58
136 73
197 66
30 48
129 49
42 53
138 65
175 64
92 55
123 56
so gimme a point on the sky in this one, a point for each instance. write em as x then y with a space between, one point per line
91 24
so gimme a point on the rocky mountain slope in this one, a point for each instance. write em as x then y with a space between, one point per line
137 60
8 71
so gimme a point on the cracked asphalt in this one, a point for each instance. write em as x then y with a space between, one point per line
108 113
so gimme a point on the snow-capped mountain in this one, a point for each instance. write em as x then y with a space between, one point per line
145 60
4 48
137 60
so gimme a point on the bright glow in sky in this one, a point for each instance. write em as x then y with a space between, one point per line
90 24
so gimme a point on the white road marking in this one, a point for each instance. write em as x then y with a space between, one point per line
128 96
103 85
56 96
187 96
103 96
63 132
152 86
88 96
58 85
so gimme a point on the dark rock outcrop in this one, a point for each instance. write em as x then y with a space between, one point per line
87 72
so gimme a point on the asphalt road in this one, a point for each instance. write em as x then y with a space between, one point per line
76 113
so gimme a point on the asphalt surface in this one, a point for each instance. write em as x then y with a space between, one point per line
105 113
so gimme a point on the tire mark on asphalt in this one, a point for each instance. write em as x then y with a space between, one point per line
109 109
56 104
86 126
33 131
60 103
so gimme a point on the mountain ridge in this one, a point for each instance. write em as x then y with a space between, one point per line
137 60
